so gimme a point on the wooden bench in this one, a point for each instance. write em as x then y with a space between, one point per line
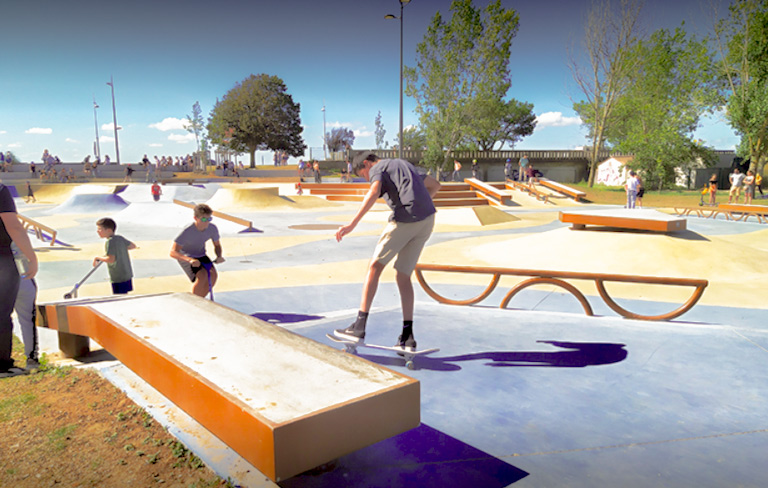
577 195
635 219
745 211
527 188
704 212
557 278
494 195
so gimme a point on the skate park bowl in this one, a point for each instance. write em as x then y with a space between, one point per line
285 403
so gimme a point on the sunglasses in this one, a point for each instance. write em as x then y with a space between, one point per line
206 219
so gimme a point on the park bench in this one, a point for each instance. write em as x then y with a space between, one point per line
557 278
701 211
577 195
494 195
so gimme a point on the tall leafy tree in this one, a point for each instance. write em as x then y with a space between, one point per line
258 114
604 76
380 132
196 125
339 139
461 64
742 45
500 122
413 138
671 86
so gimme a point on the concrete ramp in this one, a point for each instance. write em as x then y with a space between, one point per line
91 203
284 402
245 198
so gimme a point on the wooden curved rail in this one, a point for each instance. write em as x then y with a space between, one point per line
558 278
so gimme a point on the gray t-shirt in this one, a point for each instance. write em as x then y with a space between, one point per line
402 187
119 271
192 241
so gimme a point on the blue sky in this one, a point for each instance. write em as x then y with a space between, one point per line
57 56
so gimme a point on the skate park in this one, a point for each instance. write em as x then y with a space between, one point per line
536 394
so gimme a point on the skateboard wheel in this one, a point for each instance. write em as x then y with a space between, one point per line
409 364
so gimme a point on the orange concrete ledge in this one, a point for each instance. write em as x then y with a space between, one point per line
636 219
285 403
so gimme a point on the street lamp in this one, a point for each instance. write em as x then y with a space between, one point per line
111 83
325 154
390 16
96 147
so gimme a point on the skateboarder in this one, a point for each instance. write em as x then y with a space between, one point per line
11 230
116 256
189 249
409 195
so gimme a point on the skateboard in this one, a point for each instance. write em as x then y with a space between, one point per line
409 356
73 292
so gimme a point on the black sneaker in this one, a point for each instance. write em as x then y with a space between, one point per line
32 365
351 334
408 344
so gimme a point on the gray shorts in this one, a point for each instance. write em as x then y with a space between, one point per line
404 240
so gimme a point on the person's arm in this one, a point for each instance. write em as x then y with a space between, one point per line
217 250
433 186
20 237
107 258
177 254
368 201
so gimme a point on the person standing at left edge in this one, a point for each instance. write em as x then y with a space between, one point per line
11 230
409 194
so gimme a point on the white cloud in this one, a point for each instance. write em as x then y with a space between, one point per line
555 119
71 140
3 132
155 144
106 139
181 138
14 145
110 126
169 123
39 130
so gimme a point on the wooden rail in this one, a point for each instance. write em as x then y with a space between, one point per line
530 189
744 211
221 215
491 193
558 278
577 195
38 228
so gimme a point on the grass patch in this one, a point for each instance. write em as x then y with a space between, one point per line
17 405
59 437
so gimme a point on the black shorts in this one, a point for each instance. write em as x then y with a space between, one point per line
191 271
122 288
640 192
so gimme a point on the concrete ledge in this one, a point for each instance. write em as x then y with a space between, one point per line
283 402
636 219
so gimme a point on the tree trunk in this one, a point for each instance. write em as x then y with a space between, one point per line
253 158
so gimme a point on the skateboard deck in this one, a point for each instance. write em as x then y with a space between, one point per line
351 347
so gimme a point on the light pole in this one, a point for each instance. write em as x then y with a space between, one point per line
111 83
390 16
96 148
325 154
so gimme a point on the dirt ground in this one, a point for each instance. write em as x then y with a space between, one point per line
71 427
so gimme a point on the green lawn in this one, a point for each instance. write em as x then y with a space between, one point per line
615 195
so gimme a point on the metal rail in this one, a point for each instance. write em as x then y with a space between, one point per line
558 278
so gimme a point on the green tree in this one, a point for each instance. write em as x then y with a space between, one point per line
499 122
257 114
461 64
339 139
413 138
742 45
671 86
196 125
604 77
380 132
